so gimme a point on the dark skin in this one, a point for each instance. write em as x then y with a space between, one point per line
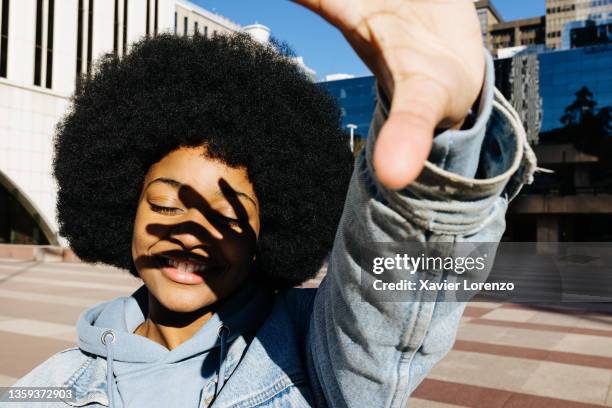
205 214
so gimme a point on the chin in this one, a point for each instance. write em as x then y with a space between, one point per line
185 300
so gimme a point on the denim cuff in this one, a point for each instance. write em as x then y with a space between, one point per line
474 155
467 170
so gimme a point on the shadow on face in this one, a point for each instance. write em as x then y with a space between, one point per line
195 230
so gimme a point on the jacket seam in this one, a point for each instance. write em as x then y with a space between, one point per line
270 392
78 373
402 390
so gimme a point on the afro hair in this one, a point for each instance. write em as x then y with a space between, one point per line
247 103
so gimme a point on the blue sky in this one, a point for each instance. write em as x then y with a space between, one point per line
322 46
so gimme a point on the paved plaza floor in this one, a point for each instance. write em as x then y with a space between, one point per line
505 355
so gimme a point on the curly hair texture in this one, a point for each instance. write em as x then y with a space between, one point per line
248 104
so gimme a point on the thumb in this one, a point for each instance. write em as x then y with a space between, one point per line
405 141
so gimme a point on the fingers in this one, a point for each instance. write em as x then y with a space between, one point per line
405 140
312 5
332 11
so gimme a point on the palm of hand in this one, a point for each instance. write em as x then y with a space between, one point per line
428 57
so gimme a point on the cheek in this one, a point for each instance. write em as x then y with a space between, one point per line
140 237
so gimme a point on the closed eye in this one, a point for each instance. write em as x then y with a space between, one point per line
164 210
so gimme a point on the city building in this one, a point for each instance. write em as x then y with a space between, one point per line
564 98
499 35
488 16
561 12
45 45
587 32
517 33
357 100
190 18
575 202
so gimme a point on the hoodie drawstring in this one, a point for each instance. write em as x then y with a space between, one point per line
108 338
223 333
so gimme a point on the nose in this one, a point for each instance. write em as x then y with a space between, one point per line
193 231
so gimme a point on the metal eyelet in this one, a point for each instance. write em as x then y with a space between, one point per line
106 333
222 328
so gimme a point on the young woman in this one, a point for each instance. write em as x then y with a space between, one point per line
212 169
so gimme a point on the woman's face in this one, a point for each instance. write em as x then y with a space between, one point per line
195 230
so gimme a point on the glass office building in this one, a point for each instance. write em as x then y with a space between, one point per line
574 203
357 99
564 73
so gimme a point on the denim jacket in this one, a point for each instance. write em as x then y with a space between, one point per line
329 347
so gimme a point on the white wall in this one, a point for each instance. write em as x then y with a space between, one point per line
137 27
64 47
22 31
104 19
27 119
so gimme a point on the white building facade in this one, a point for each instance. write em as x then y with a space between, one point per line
44 45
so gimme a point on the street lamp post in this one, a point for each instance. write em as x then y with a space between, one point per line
352 128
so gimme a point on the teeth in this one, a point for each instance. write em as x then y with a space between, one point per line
186 267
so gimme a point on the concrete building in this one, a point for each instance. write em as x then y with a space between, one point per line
516 33
44 46
190 18
561 12
498 34
488 16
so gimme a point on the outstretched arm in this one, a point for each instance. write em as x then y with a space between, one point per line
411 186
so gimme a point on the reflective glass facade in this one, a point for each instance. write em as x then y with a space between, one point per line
357 99
563 73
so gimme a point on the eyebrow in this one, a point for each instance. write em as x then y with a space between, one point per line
177 184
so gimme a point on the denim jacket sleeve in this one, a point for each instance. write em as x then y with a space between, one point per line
361 353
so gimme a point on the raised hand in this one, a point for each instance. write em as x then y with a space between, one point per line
429 59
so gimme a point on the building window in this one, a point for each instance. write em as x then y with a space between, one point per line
79 59
125 25
175 22
90 35
4 25
116 29
49 73
195 28
155 17
38 44
205 31
148 17
185 25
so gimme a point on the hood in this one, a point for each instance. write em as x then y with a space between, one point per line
106 330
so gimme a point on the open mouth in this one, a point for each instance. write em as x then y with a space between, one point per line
183 266
186 263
